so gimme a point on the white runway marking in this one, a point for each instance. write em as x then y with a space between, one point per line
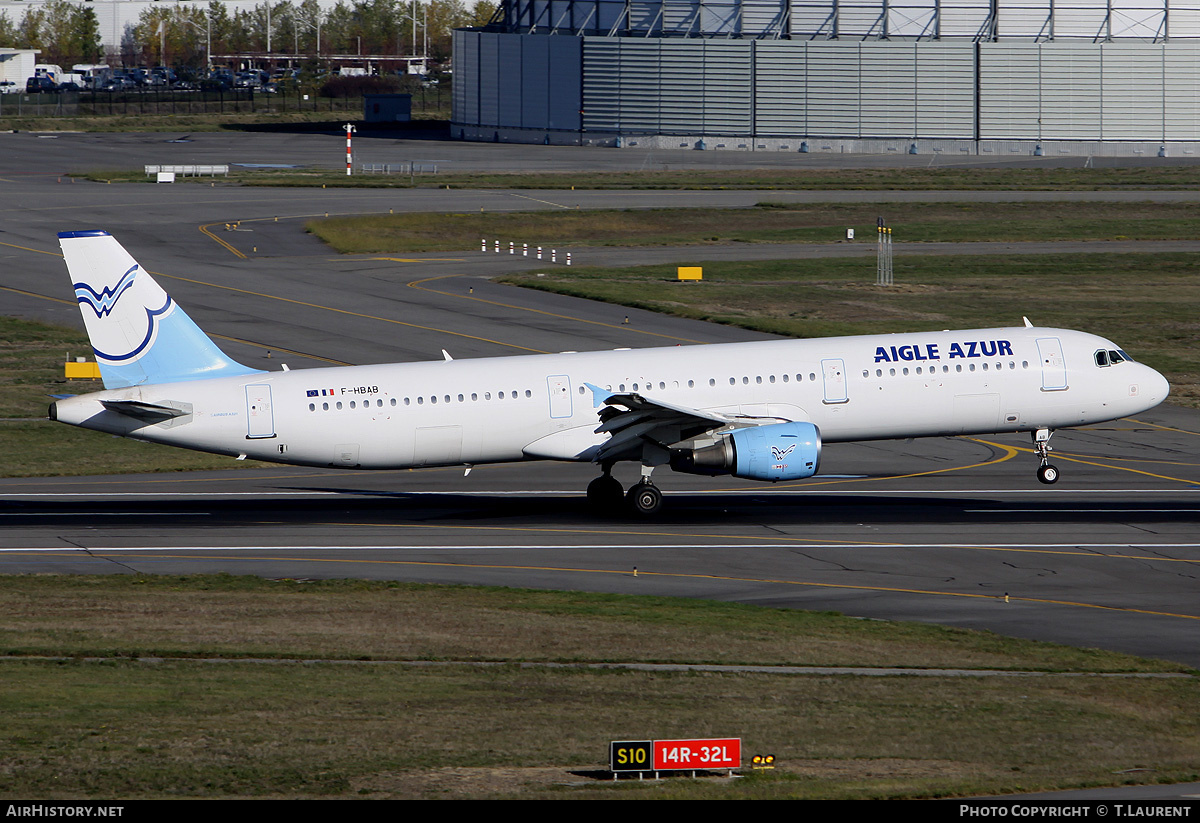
751 544
579 492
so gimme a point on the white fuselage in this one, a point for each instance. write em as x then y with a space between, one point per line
540 406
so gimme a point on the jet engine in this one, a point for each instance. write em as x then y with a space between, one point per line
780 451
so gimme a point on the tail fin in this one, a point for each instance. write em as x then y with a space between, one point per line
140 336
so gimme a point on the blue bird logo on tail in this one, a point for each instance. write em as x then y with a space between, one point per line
102 303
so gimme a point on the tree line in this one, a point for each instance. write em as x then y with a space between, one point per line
180 35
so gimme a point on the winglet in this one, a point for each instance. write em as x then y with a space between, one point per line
140 336
1028 325
599 395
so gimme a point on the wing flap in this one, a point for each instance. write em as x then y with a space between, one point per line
633 420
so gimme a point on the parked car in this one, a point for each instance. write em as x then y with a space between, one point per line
40 85
9 87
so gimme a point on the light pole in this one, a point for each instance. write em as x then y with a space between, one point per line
424 23
207 35
317 25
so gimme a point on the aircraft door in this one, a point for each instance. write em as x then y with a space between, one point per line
260 419
438 446
559 388
1054 365
833 373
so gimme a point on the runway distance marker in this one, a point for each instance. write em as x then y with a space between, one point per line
631 756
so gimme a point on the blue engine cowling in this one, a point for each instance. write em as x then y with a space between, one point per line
781 451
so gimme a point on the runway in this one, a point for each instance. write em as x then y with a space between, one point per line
954 531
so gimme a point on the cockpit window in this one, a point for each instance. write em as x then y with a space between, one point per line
1115 357
1124 355
1101 358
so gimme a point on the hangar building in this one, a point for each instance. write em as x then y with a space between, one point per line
917 76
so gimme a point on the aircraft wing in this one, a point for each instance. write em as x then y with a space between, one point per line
633 419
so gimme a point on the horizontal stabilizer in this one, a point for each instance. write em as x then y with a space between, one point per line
142 411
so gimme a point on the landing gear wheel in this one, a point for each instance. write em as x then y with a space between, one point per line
1048 474
605 492
645 498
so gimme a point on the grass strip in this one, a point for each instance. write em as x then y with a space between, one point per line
187 728
766 179
765 223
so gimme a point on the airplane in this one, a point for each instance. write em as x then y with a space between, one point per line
755 410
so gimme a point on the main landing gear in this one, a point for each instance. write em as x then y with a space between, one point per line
605 494
1046 473
644 497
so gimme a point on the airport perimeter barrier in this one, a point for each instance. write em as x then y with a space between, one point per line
188 171
397 168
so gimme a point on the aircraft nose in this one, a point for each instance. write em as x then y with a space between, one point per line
1155 387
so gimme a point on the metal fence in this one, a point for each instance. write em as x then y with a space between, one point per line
409 168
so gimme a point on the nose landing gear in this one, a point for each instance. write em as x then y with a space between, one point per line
1046 473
